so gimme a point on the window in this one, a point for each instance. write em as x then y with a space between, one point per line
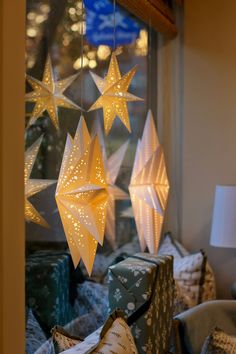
74 38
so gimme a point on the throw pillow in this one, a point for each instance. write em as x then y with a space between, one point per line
35 336
188 273
206 287
113 337
63 340
219 342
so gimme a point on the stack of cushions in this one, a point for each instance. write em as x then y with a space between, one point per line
91 307
193 275
113 337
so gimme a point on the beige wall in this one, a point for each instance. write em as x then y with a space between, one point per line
12 23
209 125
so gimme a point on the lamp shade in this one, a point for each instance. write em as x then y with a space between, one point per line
223 231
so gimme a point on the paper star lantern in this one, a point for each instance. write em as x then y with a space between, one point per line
81 195
114 95
149 187
112 167
33 186
48 95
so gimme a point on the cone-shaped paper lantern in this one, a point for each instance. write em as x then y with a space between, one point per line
149 187
33 186
48 95
114 95
112 167
81 195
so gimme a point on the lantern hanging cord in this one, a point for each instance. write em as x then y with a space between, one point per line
82 56
114 25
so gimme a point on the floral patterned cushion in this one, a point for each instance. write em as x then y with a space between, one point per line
218 342
35 336
200 285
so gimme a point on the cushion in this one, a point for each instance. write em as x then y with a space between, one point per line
35 337
201 284
91 297
219 342
113 337
181 300
188 274
63 340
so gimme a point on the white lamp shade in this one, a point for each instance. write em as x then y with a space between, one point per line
223 231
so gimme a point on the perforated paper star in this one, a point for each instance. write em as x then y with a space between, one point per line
48 95
112 167
33 186
81 195
114 95
149 187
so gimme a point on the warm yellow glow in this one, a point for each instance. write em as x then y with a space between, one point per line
114 95
92 64
31 16
33 186
40 18
142 43
30 63
79 27
103 52
48 95
79 63
72 11
112 167
91 54
149 187
45 8
81 195
31 32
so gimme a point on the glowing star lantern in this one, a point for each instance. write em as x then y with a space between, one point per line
114 95
112 167
149 187
33 186
81 195
48 95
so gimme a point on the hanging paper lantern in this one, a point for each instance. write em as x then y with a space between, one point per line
149 187
114 95
48 95
82 195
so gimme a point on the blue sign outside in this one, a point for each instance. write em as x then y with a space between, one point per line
100 24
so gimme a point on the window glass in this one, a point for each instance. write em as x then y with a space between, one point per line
59 28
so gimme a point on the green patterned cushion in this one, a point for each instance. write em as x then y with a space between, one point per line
218 342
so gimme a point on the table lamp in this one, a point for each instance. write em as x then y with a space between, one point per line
223 231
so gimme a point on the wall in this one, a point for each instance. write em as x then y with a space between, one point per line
12 81
209 125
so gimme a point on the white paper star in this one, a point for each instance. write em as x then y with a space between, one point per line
33 186
48 95
114 95
112 167
81 195
149 187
